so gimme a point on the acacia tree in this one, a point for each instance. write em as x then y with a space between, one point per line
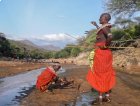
4 46
120 7
123 22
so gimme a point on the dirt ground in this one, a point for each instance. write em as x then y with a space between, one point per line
8 68
61 97
125 93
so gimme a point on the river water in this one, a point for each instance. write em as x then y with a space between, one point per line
85 99
13 88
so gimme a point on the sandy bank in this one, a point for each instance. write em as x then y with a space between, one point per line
8 68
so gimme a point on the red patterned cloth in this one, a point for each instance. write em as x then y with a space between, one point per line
103 77
44 79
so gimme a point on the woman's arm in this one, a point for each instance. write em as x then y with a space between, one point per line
108 35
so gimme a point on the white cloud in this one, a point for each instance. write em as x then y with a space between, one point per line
56 37
60 39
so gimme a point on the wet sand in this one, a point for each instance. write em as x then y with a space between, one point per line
125 93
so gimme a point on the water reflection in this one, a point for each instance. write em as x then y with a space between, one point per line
85 99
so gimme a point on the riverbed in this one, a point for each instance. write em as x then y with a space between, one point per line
20 90
14 88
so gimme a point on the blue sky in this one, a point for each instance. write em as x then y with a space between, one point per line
47 19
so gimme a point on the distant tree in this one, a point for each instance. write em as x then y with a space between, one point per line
125 28
34 54
118 34
137 31
64 54
123 22
56 55
75 52
2 36
137 19
123 7
67 49
61 54
4 46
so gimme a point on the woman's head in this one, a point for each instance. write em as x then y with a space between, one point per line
56 66
105 18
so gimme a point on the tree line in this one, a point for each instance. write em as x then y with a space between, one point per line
8 49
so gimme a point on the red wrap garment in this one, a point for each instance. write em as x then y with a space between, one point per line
102 77
45 78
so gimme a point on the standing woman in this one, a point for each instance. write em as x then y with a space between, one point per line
102 77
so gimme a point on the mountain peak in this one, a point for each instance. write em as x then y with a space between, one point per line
27 42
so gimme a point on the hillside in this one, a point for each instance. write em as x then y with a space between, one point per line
31 46
25 44
128 58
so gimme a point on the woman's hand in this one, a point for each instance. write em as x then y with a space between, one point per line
95 24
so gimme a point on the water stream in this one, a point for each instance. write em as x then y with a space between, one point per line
13 88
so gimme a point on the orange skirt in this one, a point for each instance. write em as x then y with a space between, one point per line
103 76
